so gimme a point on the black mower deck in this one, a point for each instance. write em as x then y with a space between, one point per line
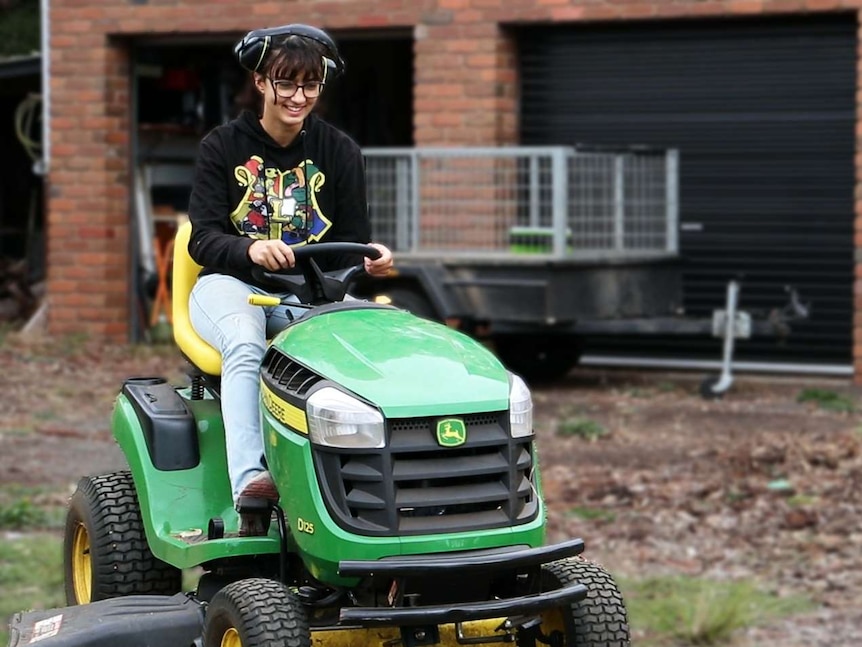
134 621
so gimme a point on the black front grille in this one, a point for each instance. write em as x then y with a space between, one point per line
415 486
287 376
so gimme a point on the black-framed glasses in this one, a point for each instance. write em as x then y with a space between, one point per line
285 89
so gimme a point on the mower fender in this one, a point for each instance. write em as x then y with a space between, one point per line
134 621
177 505
167 424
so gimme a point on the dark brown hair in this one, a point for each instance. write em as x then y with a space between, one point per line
289 57
292 57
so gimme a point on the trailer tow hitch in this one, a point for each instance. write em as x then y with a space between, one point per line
731 324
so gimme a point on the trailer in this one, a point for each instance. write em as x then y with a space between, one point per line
534 248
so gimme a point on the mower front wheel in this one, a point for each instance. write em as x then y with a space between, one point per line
105 551
256 612
599 620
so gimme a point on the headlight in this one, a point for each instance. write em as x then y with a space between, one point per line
336 419
520 408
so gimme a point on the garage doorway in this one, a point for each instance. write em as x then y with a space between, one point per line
763 112
184 87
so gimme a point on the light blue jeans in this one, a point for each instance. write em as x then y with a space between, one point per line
221 315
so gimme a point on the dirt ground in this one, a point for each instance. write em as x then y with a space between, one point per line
756 485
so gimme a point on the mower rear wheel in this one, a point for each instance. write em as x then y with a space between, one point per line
599 620
256 612
105 551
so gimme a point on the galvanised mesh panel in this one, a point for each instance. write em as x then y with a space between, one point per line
550 201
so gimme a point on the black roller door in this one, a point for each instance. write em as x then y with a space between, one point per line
763 114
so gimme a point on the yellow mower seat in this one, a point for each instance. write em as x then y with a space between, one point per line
185 273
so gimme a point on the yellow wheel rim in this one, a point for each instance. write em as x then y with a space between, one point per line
82 569
231 638
552 620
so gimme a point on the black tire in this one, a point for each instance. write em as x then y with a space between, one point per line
414 301
105 551
538 359
256 612
599 620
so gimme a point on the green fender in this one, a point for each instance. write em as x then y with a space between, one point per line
177 505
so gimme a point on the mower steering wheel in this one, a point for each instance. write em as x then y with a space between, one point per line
321 249
316 286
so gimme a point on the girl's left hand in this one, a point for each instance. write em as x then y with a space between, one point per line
382 265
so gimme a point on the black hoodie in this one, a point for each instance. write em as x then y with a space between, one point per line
247 187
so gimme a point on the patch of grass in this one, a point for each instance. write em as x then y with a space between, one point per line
21 514
650 390
27 507
17 431
582 428
802 500
31 575
733 495
5 329
689 611
665 387
591 514
73 343
829 400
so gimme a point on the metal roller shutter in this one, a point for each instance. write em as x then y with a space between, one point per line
763 113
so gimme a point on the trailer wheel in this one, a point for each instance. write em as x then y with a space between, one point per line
105 551
538 359
255 612
599 620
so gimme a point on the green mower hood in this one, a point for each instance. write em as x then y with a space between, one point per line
405 365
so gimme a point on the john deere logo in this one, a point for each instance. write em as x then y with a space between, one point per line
451 432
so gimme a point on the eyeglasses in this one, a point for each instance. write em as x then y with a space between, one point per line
286 89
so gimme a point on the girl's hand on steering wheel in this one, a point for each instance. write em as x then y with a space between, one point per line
274 255
382 265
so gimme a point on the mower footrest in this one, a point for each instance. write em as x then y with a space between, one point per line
473 561
428 615
133 621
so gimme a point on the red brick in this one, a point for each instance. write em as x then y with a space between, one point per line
466 89
567 13
745 6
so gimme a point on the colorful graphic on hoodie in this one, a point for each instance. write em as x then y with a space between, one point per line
280 204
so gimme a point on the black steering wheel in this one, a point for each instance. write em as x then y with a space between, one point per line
314 286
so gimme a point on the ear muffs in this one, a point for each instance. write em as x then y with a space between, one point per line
253 48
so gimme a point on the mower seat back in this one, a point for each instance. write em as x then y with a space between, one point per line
185 273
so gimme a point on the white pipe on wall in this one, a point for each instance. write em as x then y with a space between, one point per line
45 35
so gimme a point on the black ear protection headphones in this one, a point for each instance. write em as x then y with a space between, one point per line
253 48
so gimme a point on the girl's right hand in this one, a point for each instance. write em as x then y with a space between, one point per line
274 254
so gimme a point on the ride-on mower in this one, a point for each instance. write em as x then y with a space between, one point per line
410 508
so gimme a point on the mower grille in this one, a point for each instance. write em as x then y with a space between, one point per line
291 377
415 486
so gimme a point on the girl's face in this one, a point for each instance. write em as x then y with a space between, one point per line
286 103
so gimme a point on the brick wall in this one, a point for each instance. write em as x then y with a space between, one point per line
465 94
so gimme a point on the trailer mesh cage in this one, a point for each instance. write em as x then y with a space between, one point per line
562 202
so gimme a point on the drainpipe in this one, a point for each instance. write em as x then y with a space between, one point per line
42 166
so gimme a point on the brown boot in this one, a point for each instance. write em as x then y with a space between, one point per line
255 505
260 487
254 524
